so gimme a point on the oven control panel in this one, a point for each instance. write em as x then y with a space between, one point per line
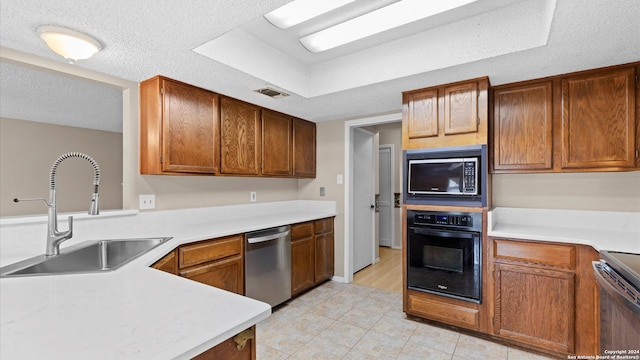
459 220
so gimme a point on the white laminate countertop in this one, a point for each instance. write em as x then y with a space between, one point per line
135 312
614 231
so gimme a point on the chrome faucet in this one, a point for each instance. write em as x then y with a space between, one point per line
55 237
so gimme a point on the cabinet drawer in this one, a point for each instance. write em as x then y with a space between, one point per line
209 250
323 226
562 256
302 230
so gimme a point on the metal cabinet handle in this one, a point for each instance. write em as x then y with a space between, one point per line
253 240
242 338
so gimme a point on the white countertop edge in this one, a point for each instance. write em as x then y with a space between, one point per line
42 218
224 336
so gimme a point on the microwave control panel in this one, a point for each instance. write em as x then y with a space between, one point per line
469 177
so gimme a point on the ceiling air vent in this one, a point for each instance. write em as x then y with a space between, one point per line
271 92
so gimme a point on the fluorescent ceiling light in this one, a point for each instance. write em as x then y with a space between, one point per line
299 11
71 44
386 18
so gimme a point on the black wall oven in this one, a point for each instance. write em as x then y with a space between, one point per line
444 253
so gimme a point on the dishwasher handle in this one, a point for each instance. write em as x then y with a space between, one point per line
259 239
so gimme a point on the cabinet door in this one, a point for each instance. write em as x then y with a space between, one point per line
523 127
302 264
277 144
461 109
304 149
598 120
226 274
169 263
240 137
189 129
324 257
535 306
228 350
421 113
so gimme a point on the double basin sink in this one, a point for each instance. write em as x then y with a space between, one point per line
87 257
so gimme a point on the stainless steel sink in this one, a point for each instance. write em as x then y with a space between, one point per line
86 257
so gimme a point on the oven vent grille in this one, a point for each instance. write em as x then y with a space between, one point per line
271 92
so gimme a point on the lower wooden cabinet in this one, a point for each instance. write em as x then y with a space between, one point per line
302 257
224 274
239 347
311 254
545 295
535 306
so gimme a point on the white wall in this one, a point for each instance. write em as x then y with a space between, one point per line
27 151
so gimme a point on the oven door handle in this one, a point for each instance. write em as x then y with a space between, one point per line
443 233
610 287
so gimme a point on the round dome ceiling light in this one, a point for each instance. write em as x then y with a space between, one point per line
72 45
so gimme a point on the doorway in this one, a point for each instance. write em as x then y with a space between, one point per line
349 202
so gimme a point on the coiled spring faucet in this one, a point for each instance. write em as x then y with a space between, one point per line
55 237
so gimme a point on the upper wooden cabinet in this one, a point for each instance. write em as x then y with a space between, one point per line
277 144
598 119
585 121
188 130
523 127
240 137
179 128
304 149
448 115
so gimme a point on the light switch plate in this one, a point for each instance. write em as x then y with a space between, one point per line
339 179
253 196
147 201
322 191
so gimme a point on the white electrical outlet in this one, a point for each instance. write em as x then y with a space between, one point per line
339 179
253 196
147 201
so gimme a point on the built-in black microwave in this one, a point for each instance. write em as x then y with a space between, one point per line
446 176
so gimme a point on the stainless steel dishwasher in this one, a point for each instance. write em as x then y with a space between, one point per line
267 265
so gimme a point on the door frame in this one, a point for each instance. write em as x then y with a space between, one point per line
392 185
349 127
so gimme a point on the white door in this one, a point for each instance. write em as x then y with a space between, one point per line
363 198
385 203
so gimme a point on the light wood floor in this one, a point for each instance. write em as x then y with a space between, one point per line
386 274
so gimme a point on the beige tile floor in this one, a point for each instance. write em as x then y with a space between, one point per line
350 321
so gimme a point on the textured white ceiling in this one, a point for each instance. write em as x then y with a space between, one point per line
144 38
28 93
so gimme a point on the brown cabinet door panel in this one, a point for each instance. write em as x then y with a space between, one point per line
461 109
189 129
598 120
304 149
240 137
277 144
226 274
535 306
209 250
302 264
421 112
324 257
523 127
